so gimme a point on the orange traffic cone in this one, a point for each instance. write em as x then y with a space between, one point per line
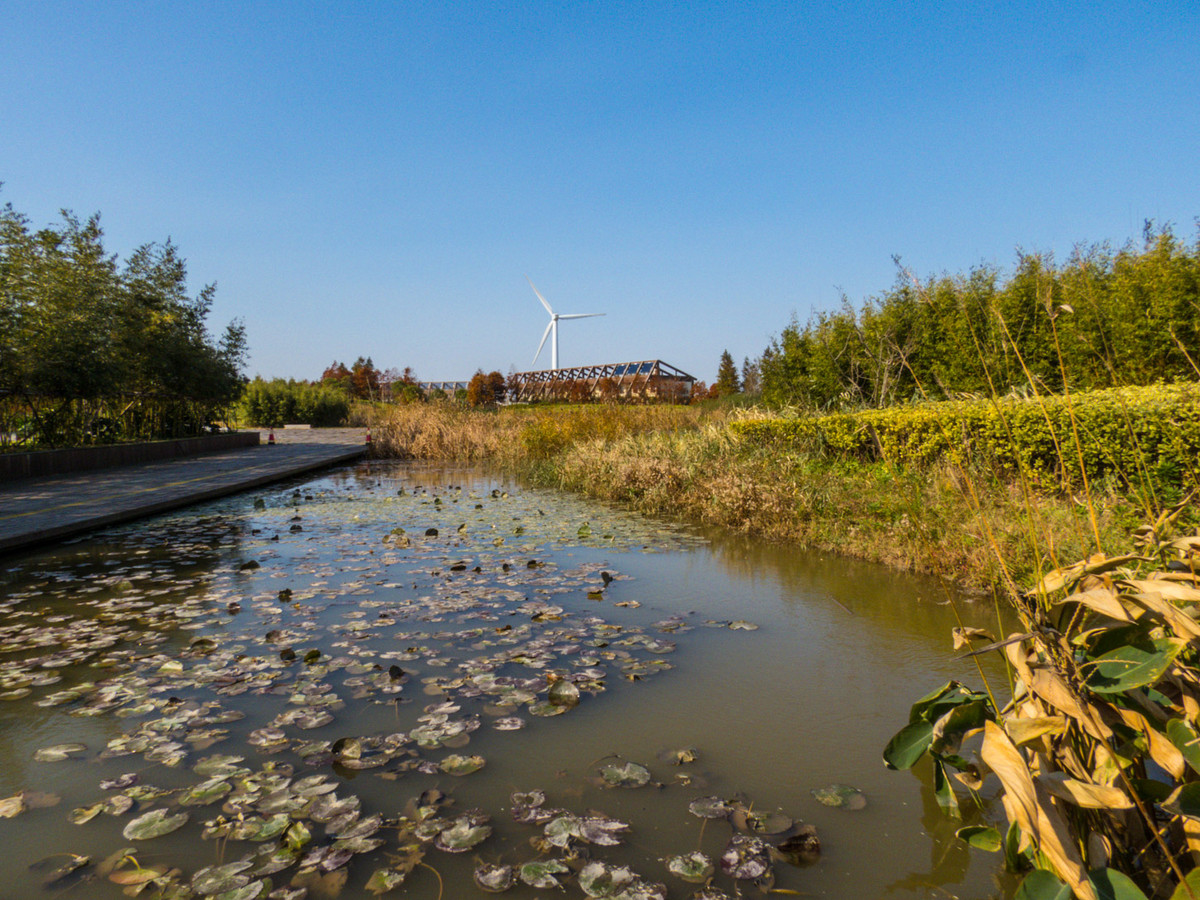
271 437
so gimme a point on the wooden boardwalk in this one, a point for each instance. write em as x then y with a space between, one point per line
39 510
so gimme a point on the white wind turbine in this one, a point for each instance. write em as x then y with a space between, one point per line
552 328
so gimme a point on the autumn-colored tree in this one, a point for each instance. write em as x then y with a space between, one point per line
579 391
497 385
477 390
608 390
364 379
699 391
401 387
337 376
727 376
485 390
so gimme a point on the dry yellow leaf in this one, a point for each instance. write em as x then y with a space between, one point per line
1100 600
1024 730
1051 688
1034 810
1089 796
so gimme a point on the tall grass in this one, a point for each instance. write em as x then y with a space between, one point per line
516 436
685 463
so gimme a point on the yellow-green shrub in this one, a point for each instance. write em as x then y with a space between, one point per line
1145 434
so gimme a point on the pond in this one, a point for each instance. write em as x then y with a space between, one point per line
417 676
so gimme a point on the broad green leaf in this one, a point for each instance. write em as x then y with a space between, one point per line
943 792
1110 884
1189 888
936 704
1042 885
1132 666
949 729
1186 741
981 837
1149 789
1184 801
908 745
1013 859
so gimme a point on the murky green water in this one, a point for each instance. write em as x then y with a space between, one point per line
275 626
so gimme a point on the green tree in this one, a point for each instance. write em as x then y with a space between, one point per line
92 349
728 382
336 375
751 380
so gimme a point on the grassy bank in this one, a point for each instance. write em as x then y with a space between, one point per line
952 518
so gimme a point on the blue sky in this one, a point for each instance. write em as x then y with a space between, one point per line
377 179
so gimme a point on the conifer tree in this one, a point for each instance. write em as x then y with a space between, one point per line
727 376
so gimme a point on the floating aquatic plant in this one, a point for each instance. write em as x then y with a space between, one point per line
624 774
153 824
479 630
843 796
694 867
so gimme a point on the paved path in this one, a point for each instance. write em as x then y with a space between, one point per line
38 510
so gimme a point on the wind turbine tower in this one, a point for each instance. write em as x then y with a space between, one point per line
552 328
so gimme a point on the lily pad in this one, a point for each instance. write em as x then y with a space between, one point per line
454 764
384 880
465 833
626 775
710 808
694 867
842 796
205 793
59 752
83 814
564 693
59 867
217 879
745 858
494 879
153 824
600 879
541 873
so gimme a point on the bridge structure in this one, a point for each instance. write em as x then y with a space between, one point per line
645 380
427 387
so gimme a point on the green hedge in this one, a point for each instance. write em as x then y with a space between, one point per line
1136 432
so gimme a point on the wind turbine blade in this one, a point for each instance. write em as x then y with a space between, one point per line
539 296
583 315
545 334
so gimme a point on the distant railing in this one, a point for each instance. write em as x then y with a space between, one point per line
650 379
448 387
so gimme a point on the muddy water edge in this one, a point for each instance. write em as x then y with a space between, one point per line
316 654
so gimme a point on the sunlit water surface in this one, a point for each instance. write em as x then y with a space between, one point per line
783 671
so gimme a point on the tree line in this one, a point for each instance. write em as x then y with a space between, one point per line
1104 318
94 349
